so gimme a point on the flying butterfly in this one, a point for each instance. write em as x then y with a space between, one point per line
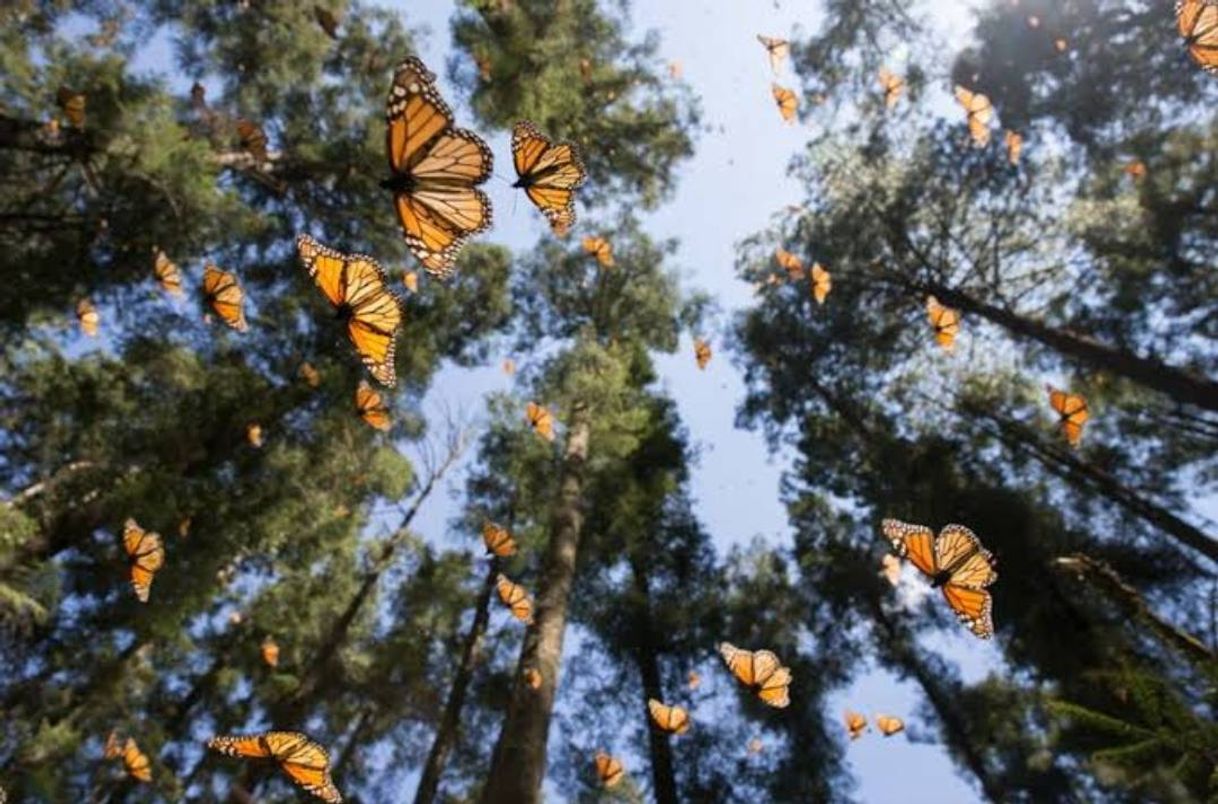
135 762
411 280
300 758
1014 143
532 677
270 652
356 286
253 434
253 139
509 366
548 172
693 680
956 563
893 86
702 352
167 274
497 540
309 374
224 294
669 719
1072 413
88 317
788 103
371 407
856 724
540 419
600 248
434 170
1136 169
979 113
889 725
146 554
73 105
776 48
793 265
1198 24
945 322
515 598
609 769
822 283
760 670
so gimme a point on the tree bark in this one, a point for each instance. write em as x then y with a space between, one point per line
519 762
446 734
663 777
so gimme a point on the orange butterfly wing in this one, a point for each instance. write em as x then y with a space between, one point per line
1198 24
137 763
670 719
609 769
88 317
702 352
147 556
371 407
788 103
497 540
167 274
945 321
541 420
224 294
515 598
304 761
914 542
856 724
822 283
1072 412
889 725
548 172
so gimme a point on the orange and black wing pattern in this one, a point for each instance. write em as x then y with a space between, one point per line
760 670
856 724
540 419
224 295
893 86
979 112
88 317
516 598
702 352
944 321
167 274
787 102
608 769
793 265
497 540
301 759
146 554
435 170
889 725
668 719
600 248
548 172
822 283
776 48
1198 23
1072 413
371 407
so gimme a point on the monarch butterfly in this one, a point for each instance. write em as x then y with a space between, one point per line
73 105
945 322
600 248
893 85
609 769
694 679
355 285
787 102
548 172
890 569
222 291
304 761
793 265
755 746
253 139
1072 412
326 21
167 274
1198 23
702 352
955 562
669 719
541 420
253 434
675 70
856 724
509 366
1135 168
411 280
370 407
135 761
88 317
889 725
309 374
146 554
1014 143
759 669
777 49
822 283
270 652
434 170
515 598
1061 44
532 678
497 540
979 113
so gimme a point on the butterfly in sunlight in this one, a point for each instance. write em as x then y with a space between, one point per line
702 352
167 274
515 598
509 366
135 762
72 103
822 283
411 280
497 540
253 434
88 317
540 419
224 295
532 678
760 670
788 103
1061 44
1014 143
893 86
776 49
600 248
146 554
669 719
270 652
1072 413
889 725
890 569
1136 169
300 758
355 285
548 172
609 769
979 113
945 322
1198 24
434 170
956 563
253 140
793 265
694 680
371 407
309 374
856 724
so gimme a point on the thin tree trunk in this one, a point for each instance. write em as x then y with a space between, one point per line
446 734
519 761
663 777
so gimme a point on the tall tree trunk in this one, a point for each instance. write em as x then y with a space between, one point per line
446 734
519 762
663 778
1177 383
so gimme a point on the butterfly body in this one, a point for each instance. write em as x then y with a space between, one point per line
549 173
299 757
